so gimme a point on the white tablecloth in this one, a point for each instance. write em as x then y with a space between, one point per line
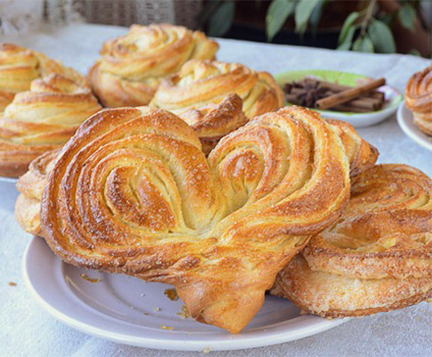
27 330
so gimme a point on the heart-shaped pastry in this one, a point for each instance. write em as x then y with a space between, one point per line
132 192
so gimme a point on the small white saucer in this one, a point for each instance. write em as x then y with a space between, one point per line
359 120
128 310
406 122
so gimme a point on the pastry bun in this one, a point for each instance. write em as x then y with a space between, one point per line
131 66
377 257
418 98
19 66
42 119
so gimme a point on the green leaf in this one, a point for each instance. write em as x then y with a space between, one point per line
407 16
348 24
303 12
221 21
363 44
207 11
382 37
346 45
414 52
316 16
277 14
386 18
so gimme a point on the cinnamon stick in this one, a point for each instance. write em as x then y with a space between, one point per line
371 104
336 87
355 106
350 109
349 94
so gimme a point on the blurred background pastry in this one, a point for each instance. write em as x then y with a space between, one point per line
201 94
418 97
20 66
131 66
42 119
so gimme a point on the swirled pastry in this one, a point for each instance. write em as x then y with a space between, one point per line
41 120
20 66
203 86
331 295
132 65
132 192
378 255
418 98
361 156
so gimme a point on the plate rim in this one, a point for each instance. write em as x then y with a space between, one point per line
414 133
4 179
232 342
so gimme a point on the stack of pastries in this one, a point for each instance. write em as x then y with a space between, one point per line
173 68
215 189
418 97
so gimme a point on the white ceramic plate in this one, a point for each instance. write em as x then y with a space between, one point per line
8 193
127 310
392 96
7 180
406 122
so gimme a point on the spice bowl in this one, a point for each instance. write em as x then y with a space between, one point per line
392 97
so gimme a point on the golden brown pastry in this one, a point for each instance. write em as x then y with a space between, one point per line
132 192
31 186
378 257
361 156
20 66
132 65
41 120
206 86
418 98
331 295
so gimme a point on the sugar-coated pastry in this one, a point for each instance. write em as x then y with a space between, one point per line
418 98
148 203
131 66
361 156
386 229
377 257
248 165
331 295
20 66
42 119
201 86
31 186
